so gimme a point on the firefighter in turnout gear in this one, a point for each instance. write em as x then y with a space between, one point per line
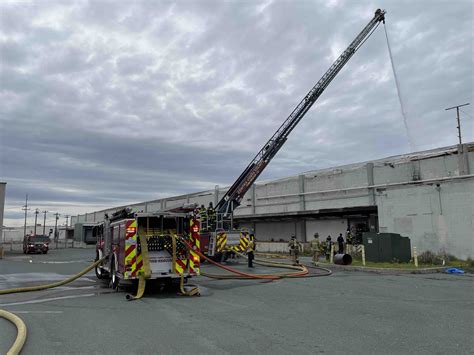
349 241
328 247
251 250
211 215
316 248
295 248
203 216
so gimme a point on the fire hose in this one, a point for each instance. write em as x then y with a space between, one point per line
21 328
54 284
146 273
302 270
327 272
21 332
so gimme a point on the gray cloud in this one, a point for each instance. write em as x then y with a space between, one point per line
105 102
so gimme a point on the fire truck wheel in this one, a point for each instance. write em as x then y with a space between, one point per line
99 272
114 282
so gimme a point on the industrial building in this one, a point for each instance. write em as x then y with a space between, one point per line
427 196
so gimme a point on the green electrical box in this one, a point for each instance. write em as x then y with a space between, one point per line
386 247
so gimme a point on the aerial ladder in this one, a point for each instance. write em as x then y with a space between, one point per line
233 197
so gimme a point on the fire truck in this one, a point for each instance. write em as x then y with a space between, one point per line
219 235
163 244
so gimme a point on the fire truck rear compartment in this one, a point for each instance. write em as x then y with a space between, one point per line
158 231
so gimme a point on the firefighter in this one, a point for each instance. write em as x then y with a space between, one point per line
349 237
251 250
202 212
323 247
328 247
295 248
202 216
316 248
211 214
340 244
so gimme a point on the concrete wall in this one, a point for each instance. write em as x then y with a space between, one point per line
303 228
330 227
436 218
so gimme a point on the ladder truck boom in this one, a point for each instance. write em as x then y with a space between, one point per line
236 192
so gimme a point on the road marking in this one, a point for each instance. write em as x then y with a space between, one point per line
37 276
45 300
62 262
68 288
42 312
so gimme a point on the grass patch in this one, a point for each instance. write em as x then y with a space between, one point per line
391 265
461 264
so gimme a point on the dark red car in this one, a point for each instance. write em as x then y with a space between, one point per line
36 244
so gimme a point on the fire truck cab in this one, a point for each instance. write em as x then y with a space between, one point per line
172 240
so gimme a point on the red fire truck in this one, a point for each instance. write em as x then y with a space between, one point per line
172 240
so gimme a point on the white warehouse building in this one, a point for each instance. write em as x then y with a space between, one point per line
427 196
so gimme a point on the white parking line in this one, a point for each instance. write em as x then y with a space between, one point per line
68 288
42 312
45 300
62 262
37 277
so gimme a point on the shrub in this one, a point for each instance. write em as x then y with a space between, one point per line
428 257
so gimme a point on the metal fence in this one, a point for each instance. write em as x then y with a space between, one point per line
14 245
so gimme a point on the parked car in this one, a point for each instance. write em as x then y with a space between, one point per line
35 244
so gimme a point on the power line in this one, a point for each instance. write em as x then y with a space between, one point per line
468 115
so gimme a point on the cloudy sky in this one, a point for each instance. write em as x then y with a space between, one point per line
110 102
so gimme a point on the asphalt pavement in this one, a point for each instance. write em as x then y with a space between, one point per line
352 312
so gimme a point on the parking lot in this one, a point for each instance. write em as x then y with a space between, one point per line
345 312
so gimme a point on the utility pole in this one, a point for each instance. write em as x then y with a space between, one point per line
65 237
56 237
44 222
458 119
25 208
36 219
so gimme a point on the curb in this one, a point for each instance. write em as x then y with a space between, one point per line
431 270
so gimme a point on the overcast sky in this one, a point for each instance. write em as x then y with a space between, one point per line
106 103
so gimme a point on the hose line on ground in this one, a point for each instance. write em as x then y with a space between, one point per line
301 270
194 291
21 336
327 272
243 275
21 331
54 284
